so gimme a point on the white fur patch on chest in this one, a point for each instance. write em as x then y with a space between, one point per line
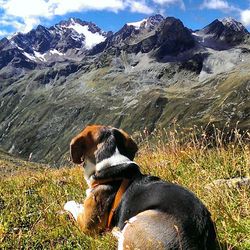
116 159
89 169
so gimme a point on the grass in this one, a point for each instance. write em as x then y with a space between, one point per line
32 195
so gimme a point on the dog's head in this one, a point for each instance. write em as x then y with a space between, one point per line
97 146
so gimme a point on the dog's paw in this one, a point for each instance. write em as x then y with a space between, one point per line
74 208
116 232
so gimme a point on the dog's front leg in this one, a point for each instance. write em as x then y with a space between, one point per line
87 215
74 208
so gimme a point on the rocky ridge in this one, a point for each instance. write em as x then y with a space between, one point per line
67 40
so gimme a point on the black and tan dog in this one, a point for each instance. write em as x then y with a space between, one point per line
146 212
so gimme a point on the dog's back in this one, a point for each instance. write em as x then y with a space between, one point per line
153 212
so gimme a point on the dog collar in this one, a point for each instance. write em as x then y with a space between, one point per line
118 196
117 200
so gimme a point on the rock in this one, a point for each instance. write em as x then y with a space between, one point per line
230 183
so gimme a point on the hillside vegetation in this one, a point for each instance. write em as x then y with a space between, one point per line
32 195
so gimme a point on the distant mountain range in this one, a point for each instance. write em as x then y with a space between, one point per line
55 80
74 39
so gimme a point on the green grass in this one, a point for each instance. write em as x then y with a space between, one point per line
32 195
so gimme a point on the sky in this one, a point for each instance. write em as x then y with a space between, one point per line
24 15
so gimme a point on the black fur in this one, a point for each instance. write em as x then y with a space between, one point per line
111 139
149 192
108 147
127 171
120 142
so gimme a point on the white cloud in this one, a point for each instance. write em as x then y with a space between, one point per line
29 24
245 17
215 4
48 8
5 21
218 5
170 2
61 7
26 8
23 15
140 6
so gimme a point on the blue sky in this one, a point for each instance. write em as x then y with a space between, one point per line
23 15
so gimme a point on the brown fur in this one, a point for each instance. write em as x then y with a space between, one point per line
93 219
84 145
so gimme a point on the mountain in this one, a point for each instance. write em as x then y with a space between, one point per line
130 32
224 33
150 73
147 23
163 36
224 27
67 40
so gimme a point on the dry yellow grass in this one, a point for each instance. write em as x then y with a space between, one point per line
32 195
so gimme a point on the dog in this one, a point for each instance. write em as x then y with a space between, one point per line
144 211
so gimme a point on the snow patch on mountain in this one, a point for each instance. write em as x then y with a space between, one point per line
138 24
232 23
15 45
91 39
39 56
147 23
54 51
205 40
32 58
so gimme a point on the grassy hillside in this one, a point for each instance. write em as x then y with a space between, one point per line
32 195
58 106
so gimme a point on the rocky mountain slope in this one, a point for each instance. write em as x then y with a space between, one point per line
54 81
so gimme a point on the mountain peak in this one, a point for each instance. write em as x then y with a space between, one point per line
226 20
233 24
222 33
157 17
147 23
92 33
63 41
72 21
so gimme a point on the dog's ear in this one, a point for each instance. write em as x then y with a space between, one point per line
85 144
125 143
77 150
